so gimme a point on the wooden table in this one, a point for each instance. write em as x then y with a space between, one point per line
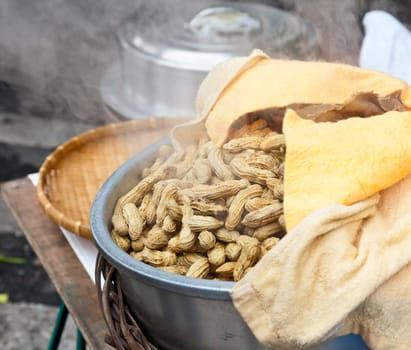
70 279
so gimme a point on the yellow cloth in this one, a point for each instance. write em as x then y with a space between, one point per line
241 85
268 83
342 162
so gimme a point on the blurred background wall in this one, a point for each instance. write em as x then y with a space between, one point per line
54 52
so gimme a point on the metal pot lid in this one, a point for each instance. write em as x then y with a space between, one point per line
197 35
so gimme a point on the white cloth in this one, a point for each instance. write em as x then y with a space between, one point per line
386 46
84 249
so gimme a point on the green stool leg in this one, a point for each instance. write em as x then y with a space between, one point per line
81 343
58 327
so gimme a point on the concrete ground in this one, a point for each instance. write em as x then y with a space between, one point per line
29 326
27 319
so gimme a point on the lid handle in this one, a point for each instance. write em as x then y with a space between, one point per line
219 22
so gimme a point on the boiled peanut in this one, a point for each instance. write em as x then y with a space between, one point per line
242 143
263 216
226 236
220 169
232 251
237 206
122 241
206 239
268 230
199 269
134 220
226 269
270 242
157 257
248 257
198 223
156 238
243 170
216 255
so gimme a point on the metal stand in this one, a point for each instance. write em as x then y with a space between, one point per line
58 329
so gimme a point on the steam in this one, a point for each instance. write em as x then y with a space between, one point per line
54 53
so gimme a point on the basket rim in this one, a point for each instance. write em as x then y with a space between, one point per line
76 226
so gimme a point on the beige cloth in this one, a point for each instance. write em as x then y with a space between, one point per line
340 270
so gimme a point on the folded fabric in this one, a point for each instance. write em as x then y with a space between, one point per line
384 318
244 85
342 162
271 83
326 276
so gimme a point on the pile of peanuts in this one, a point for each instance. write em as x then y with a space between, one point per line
206 212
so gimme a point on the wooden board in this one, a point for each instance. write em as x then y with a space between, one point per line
70 279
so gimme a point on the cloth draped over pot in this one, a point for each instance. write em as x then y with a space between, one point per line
342 266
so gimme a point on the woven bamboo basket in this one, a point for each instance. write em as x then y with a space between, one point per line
71 176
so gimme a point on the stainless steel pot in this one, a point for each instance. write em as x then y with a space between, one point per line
166 53
177 312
